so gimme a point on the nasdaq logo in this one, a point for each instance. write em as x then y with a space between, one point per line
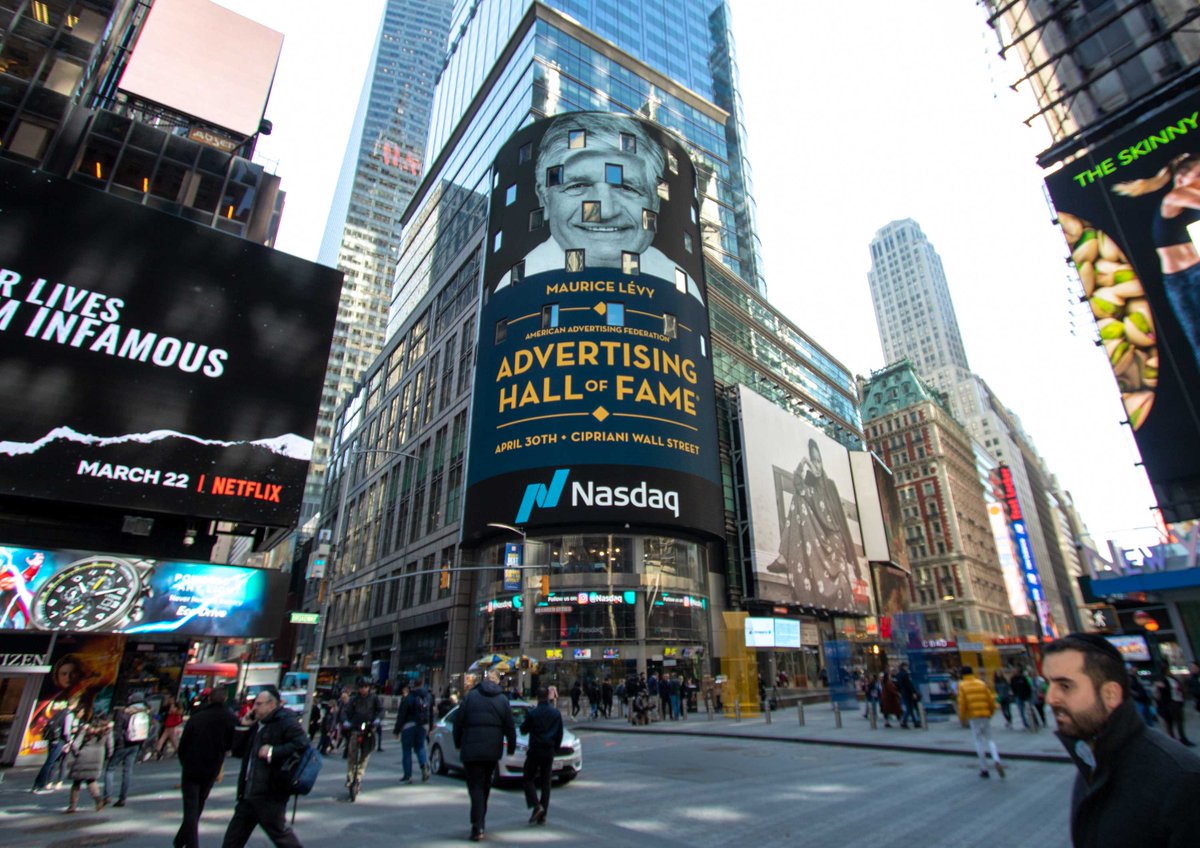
542 496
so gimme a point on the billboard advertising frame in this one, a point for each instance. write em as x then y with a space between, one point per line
1130 217
807 545
594 402
152 363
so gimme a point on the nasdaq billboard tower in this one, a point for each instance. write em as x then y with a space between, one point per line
594 334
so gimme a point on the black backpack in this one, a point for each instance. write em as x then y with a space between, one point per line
56 728
423 706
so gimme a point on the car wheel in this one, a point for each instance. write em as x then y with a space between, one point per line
436 761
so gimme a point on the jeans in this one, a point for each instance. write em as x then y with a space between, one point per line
412 739
981 732
122 759
195 794
539 772
479 786
1023 709
910 712
267 813
674 706
358 754
1183 293
54 756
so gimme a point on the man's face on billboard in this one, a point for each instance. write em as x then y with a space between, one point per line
589 175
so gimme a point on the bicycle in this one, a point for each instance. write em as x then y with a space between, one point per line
361 744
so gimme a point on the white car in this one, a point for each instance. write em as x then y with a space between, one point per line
443 756
296 701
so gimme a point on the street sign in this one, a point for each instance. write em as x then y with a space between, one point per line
297 617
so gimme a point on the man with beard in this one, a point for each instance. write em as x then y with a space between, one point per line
1135 786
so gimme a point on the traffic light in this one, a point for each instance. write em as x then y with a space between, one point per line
444 579
545 588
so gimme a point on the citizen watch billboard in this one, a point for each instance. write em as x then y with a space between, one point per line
594 395
150 363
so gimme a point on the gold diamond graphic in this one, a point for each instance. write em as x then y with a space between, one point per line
601 308
600 413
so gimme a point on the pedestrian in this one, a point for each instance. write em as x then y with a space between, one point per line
90 749
675 693
664 694
593 695
448 702
1142 702
1193 684
264 740
206 738
576 694
553 690
543 726
606 698
482 727
1022 690
872 689
328 728
361 720
57 735
889 699
976 704
131 729
1134 787
172 727
652 694
413 720
909 696
1171 705
1004 696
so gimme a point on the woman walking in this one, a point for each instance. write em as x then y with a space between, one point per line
90 750
1004 695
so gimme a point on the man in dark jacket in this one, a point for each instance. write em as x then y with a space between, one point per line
207 735
268 736
544 727
1135 786
131 725
482 725
908 696
363 708
412 726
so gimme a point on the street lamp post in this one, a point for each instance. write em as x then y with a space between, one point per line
526 601
339 551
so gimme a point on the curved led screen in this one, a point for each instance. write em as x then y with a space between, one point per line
594 391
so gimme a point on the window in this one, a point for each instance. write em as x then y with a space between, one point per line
670 325
614 174
576 139
518 273
687 242
554 176
574 260
628 143
591 211
631 263
681 280
525 153
649 220
29 140
501 330
614 314
664 190
537 219
510 195
496 241
549 315
672 162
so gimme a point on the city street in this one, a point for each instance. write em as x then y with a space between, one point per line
643 788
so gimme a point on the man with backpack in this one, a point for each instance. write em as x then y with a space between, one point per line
131 729
207 735
412 726
267 738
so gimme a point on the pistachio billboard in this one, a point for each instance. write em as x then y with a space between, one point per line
1130 211
594 399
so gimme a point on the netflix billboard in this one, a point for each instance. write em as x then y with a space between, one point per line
151 363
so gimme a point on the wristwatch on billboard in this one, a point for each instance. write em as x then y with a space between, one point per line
96 593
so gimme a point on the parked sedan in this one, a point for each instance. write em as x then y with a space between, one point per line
443 756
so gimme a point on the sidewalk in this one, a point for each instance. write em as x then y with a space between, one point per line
944 736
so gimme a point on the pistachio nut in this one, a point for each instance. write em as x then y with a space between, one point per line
1110 328
1086 249
1149 373
1109 248
1106 303
1139 328
1087 276
1072 227
1129 378
1137 407
1120 354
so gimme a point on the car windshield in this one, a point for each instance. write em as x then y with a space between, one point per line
518 711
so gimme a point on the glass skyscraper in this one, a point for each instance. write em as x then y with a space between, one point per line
508 63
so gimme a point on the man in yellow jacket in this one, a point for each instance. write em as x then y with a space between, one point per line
976 703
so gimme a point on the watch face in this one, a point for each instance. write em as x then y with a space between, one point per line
95 593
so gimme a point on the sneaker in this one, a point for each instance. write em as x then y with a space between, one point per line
542 817
984 774
120 803
1000 770
424 774
536 814
407 781
45 790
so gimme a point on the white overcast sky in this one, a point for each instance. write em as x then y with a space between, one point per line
856 115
